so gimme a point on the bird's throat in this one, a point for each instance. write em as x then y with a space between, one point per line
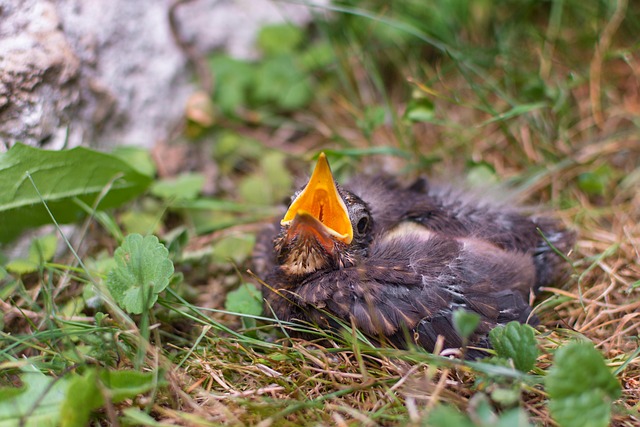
304 260
308 245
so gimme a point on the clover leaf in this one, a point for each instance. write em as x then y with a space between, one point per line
517 342
581 387
142 271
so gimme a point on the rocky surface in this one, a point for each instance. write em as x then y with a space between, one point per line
99 73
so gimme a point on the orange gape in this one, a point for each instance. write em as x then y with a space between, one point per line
321 200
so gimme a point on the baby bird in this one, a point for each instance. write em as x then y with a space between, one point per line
396 261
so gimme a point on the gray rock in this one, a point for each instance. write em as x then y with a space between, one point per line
39 73
101 73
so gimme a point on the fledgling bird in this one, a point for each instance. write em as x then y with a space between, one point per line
397 260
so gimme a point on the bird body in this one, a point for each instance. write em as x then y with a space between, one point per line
404 258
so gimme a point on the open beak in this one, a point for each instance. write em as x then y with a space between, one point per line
319 209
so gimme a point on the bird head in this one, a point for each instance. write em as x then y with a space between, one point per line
325 227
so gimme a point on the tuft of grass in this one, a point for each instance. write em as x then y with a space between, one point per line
541 96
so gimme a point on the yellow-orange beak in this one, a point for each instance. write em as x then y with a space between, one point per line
320 199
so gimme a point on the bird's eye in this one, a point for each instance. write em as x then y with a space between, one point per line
363 225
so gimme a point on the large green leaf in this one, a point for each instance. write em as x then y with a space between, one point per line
581 387
60 177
